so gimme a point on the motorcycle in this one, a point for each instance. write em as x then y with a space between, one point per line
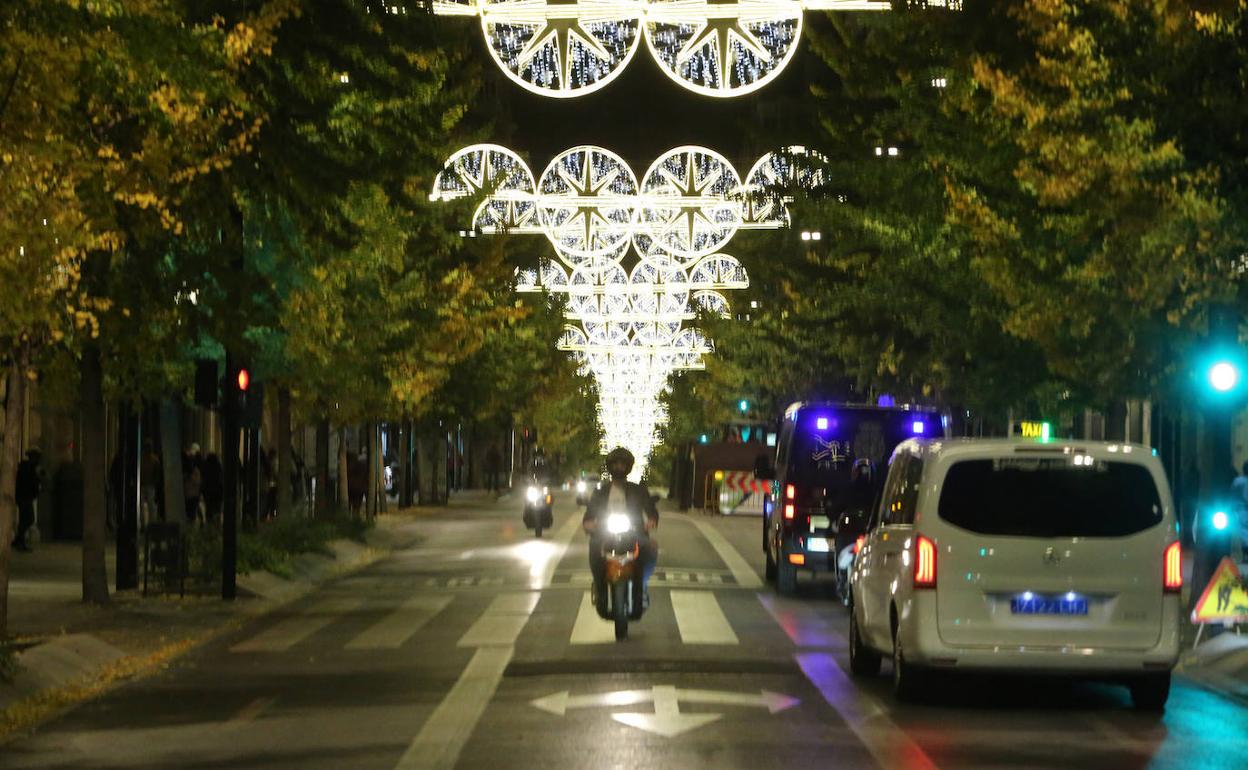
583 491
621 599
538 509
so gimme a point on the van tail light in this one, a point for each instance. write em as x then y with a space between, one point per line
1173 579
858 543
924 563
790 492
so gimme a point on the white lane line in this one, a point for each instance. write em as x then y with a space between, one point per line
561 540
502 621
394 629
438 744
732 558
889 744
589 628
291 631
700 619
805 628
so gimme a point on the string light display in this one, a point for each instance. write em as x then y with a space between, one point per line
723 48
628 326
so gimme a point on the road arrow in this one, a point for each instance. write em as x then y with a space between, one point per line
667 719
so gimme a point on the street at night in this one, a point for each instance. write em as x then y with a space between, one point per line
475 647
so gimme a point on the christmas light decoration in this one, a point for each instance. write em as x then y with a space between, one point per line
723 48
628 327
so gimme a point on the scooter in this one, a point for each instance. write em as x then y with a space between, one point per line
621 599
538 509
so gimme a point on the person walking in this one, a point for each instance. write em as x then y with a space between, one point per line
493 462
192 482
25 494
212 485
149 484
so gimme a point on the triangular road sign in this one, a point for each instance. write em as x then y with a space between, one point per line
1225 599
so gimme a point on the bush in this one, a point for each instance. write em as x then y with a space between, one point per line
275 545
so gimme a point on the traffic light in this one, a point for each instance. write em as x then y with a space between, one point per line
744 406
1220 368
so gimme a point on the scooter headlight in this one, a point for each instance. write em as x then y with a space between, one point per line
618 523
533 494
580 486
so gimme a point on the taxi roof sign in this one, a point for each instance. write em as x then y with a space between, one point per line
1225 599
1037 430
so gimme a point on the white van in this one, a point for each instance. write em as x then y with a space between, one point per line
1057 557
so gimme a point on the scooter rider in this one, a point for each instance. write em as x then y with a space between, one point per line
621 496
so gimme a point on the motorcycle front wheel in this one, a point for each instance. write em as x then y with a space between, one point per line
619 609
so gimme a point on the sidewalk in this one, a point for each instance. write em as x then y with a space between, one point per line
70 651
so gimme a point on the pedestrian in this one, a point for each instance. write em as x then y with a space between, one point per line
149 483
493 463
212 485
25 494
192 482
357 479
268 481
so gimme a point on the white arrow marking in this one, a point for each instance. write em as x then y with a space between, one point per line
666 719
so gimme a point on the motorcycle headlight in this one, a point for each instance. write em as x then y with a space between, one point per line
580 486
533 494
618 523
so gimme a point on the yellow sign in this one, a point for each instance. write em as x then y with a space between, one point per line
1225 599
1040 430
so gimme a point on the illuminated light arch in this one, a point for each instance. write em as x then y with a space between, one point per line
587 203
717 273
498 173
720 48
726 48
689 205
711 302
764 206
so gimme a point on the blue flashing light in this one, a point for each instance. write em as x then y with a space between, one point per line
918 427
821 423
1220 520
885 400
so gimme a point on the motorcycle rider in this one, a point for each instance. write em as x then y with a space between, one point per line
621 496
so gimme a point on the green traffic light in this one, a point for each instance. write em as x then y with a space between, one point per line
1220 520
744 406
1223 376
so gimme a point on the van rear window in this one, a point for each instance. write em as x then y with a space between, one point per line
1050 497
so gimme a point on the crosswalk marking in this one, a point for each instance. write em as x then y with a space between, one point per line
502 621
397 627
291 631
589 628
700 619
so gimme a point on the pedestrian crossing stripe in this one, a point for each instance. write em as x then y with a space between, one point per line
1225 599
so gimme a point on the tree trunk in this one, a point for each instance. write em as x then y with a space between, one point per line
285 462
10 452
344 501
95 495
323 504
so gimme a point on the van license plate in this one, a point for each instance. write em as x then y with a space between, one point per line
1048 605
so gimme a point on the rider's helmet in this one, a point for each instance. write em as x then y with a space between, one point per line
620 455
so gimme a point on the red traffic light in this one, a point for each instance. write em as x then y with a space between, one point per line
244 379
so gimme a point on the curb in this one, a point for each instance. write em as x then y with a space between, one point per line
89 667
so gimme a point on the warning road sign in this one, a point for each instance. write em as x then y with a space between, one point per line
1225 599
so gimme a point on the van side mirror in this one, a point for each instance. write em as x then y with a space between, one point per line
763 469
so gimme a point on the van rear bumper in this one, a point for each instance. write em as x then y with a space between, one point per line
923 646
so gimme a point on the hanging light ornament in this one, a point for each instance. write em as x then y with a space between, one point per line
722 48
628 327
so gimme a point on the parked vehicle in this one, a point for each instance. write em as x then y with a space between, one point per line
827 468
1004 555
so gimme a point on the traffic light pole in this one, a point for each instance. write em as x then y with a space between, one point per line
229 514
